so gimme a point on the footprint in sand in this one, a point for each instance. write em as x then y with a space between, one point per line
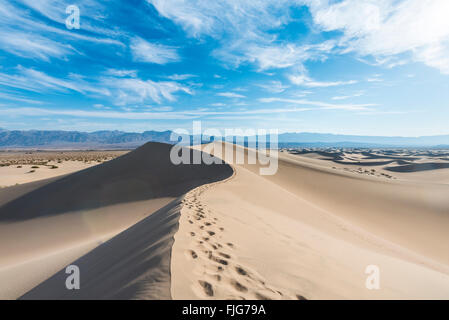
207 287
260 296
192 254
224 255
238 286
241 271
221 272
216 259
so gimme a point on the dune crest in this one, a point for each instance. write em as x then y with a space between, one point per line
89 207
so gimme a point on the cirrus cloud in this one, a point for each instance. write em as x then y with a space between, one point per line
385 29
230 95
145 51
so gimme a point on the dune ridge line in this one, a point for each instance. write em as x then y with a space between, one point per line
148 234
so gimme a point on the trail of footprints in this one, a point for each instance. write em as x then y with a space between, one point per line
219 273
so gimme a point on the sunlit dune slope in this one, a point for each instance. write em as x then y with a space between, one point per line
311 231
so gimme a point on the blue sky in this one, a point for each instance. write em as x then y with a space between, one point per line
350 67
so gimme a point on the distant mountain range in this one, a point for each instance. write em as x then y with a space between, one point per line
78 140
339 140
35 139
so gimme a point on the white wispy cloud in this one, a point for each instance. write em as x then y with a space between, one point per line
389 28
133 90
32 46
121 90
230 95
243 28
121 73
272 55
273 86
16 97
375 113
91 11
303 80
37 81
24 35
145 51
214 18
105 114
162 108
180 77
323 105
100 106
135 115
374 80
358 94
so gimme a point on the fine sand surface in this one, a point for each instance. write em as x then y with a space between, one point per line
139 227
310 231
46 225
412 165
13 175
28 166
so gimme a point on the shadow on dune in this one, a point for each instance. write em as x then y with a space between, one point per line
143 174
135 264
369 155
364 164
325 154
415 167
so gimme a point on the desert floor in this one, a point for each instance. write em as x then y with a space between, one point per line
19 167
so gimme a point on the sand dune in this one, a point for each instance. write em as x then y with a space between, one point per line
64 218
135 264
412 165
142 228
310 231
147 173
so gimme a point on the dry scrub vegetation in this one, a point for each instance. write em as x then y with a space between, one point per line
43 158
